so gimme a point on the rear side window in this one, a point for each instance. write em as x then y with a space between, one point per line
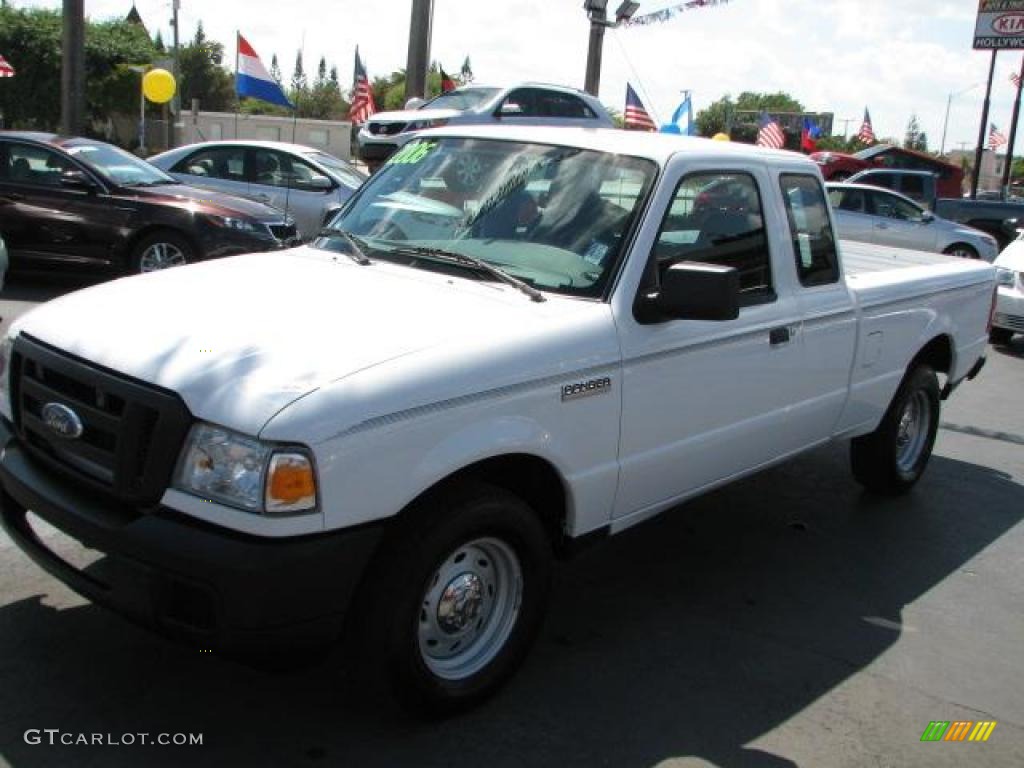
814 244
226 163
552 104
716 218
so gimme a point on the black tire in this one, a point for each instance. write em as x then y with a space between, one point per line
888 461
397 612
1000 335
145 259
963 250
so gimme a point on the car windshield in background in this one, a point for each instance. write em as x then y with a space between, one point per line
554 217
461 99
118 166
338 167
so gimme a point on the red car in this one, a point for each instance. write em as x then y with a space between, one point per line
836 166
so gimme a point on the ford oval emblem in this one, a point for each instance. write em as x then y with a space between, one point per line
62 421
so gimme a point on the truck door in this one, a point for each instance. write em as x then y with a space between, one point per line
702 400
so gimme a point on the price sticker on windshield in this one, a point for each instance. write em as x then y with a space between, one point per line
411 154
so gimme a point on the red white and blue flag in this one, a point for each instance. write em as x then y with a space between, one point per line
635 117
252 79
362 95
996 138
770 134
6 70
866 132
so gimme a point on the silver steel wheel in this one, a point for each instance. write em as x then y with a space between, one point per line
912 430
469 608
161 256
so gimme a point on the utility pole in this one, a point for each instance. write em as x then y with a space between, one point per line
982 130
72 74
175 70
420 28
846 125
597 11
1013 135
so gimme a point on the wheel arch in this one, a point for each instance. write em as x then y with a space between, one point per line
534 479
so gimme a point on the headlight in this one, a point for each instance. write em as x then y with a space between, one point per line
225 466
239 225
6 348
1005 277
419 125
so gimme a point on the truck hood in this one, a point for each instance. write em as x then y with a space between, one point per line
241 338
1012 256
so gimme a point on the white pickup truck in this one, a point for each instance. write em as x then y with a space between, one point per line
510 342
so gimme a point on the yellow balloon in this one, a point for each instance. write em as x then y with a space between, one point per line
720 137
159 86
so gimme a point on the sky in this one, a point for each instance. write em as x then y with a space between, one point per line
895 58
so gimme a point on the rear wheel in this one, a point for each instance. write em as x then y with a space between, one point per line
456 596
161 250
961 251
893 457
1000 335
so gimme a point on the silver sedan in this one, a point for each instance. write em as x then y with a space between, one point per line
880 216
308 183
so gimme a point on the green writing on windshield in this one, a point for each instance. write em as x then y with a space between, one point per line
411 154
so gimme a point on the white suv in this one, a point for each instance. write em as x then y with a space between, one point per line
526 104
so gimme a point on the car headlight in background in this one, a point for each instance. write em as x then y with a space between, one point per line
420 125
1005 277
6 348
238 225
225 466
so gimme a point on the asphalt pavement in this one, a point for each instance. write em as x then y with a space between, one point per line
789 619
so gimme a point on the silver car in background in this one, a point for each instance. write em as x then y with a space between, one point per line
307 182
880 216
526 104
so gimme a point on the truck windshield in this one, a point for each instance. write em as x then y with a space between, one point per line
556 218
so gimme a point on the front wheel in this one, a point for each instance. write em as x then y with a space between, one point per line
161 250
961 251
457 597
892 458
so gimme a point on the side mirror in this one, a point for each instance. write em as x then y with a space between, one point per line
510 109
927 217
693 290
415 103
77 180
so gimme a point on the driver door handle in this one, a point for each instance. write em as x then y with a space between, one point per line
779 336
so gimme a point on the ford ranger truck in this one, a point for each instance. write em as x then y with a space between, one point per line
510 342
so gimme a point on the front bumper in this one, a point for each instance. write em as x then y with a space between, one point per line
1009 312
189 580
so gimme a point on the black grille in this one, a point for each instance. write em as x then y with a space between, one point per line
386 129
132 432
283 232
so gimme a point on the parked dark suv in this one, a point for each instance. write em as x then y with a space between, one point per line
79 203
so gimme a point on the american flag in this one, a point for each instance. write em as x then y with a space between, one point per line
770 134
995 138
1015 79
866 132
635 117
6 70
362 95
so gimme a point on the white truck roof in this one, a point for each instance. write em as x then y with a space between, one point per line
654 146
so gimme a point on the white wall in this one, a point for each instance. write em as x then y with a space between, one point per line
334 137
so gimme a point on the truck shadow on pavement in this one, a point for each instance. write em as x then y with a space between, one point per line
692 635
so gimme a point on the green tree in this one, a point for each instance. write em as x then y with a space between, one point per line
324 101
275 69
299 83
915 138
30 39
467 72
158 42
203 76
739 117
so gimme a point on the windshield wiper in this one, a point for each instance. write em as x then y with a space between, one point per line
357 254
472 261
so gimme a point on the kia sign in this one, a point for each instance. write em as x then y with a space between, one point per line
1000 24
